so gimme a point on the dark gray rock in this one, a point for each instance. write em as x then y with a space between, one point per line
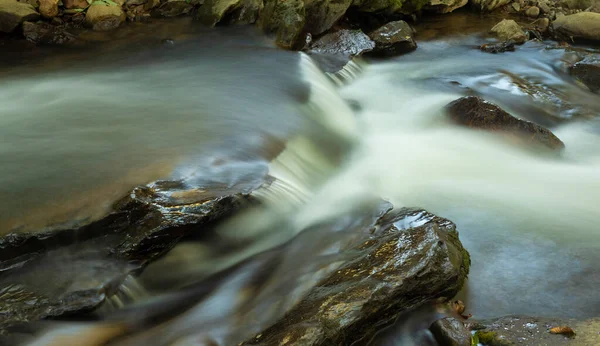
451 332
44 33
343 42
587 71
508 46
477 113
408 258
56 273
394 38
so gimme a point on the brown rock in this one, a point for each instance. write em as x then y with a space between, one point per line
541 25
49 8
533 12
103 17
584 26
509 30
71 4
13 13
475 112
394 38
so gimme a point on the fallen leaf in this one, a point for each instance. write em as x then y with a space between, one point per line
564 330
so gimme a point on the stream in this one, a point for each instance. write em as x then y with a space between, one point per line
79 129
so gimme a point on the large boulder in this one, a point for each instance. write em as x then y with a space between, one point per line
44 33
489 5
322 14
102 16
55 273
444 6
394 38
477 113
579 26
14 13
509 30
587 71
348 43
285 20
238 11
408 258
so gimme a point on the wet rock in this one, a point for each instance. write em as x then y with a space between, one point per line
444 6
451 332
344 42
394 38
73 4
44 33
580 26
475 112
49 8
54 273
587 72
533 12
174 8
103 17
508 46
322 14
237 11
411 257
13 13
541 25
509 30
285 20
526 330
488 5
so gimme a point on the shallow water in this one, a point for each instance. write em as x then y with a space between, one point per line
78 131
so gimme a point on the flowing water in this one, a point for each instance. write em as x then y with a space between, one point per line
75 136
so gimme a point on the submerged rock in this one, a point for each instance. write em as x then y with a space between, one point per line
412 257
579 26
394 38
587 72
344 42
508 46
285 20
13 13
509 30
451 332
475 112
102 16
54 273
44 33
